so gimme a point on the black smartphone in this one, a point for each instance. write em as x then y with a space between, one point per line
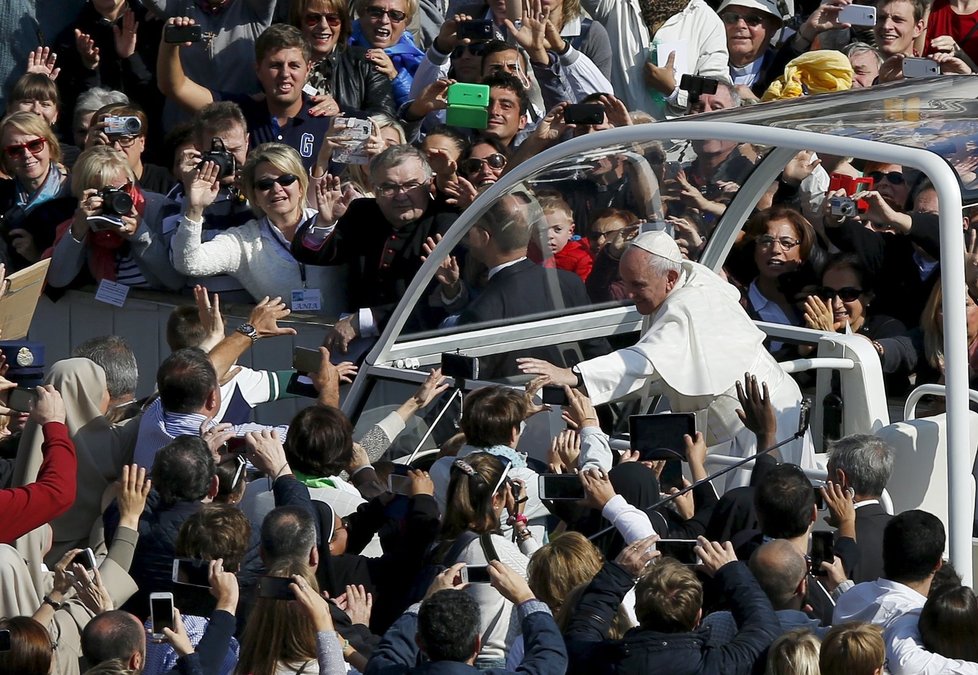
398 481
301 385
819 500
476 574
306 360
86 559
672 170
459 366
822 546
275 588
671 476
661 436
554 395
161 613
22 399
697 86
191 572
560 486
4 640
680 549
175 35
584 113
477 31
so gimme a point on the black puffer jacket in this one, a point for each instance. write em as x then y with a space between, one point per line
353 82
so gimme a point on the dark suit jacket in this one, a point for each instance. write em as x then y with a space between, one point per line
871 520
522 289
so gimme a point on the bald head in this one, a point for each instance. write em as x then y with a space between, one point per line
114 635
780 570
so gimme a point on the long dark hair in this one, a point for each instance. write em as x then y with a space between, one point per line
470 492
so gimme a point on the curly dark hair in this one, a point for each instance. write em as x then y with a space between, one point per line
448 625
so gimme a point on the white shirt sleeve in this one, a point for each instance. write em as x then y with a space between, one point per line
906 654
595 450
582 76
220 255
632 523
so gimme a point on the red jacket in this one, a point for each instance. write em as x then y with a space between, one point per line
28 507
574 257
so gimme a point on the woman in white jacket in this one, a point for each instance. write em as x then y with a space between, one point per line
479 494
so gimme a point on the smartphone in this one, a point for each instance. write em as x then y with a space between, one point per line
560 486
236 445
671 476
4 640
680 549
672 170
554 395
22 399
584 113
161 613
915 67
306 360
86 559
477 31
352 132
822 546
460 366
858 15
275 588
475 574
192 572
464 94
300 385
661 436
696 85
398 481
819 500
175 35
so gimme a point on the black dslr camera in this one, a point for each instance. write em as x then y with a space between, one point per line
115 201
226 164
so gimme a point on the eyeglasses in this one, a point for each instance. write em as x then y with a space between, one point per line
475 49
34 147
732 18
846 294
123 141
473 164
285 180
377 13
391 189
894 177
787 243
315 18
594 235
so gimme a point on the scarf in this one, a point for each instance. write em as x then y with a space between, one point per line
52 188
656 12
405 55
313 481
517 459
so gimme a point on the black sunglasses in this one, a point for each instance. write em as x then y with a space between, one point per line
285 180
473 164
475 49
846 294
752 20
894 177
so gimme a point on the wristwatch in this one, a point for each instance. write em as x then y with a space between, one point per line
249 330
56 605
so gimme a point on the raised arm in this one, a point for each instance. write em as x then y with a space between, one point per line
171 78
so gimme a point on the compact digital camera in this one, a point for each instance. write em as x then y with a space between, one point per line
122 125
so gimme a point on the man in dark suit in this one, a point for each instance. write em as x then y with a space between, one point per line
518 287
863 463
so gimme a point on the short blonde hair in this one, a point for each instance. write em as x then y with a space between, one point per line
794 653
556 568
97 167
410 8
28 123
282 157
852 649
668 598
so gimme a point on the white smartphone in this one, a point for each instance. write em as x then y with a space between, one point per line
161 613
475 574
858 15
916 67
86 559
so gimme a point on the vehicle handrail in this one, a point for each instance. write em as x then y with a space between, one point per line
910 407
801 365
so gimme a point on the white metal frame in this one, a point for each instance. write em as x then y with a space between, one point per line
785 143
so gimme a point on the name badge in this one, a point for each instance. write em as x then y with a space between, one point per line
112 293
306 300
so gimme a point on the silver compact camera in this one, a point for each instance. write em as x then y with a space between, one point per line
122 125
843 206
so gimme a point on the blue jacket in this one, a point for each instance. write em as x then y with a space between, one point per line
406 58
646 651
398 653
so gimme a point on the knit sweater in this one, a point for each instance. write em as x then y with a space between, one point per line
257 255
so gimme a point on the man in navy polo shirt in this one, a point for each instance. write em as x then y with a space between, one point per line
281 112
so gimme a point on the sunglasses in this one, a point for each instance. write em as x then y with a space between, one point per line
285 180
846 294
34 147
475 49
752 20
474 164
314 19
377 13
893 177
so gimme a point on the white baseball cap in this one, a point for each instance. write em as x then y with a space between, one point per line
770 7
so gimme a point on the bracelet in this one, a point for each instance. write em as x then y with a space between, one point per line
519 518
878 347
56 605
278 474
589 418
524 534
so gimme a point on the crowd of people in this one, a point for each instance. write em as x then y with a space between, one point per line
309 156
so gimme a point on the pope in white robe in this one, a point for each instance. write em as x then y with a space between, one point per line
699 344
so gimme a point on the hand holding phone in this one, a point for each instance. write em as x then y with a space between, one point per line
822 547
161 612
